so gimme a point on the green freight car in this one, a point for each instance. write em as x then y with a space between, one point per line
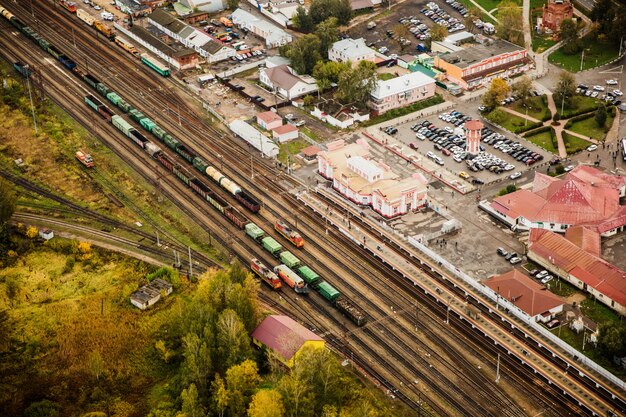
328 291
254 231
270 245
289 259
93 102
122 124
103 89
147 124
200 164
113 98
124 106
309 275
159 132
136 115
171 142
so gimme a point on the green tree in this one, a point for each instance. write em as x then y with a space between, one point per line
603 13
192 407
601 115
233 4
45 408
7 201
242 298
304 53
569 36
320 10
197 365
221 396
612 339
511 22
233 343
328 33
302 20
497 92
565 89
237 272
356 84
241 380
266 403
330 70
522 88
438 32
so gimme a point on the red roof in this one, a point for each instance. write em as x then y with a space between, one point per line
586 238
528 295
281 130
584 196
268 116
474 125
283 335
592 270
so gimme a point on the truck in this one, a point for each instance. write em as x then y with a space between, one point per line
84 158
68 5
104 29
292 279
294 237
226 22
266 274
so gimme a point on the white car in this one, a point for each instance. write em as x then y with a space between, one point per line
515 175
515 260
611 82
542 274
592 148
420 136
598 87
430 155
97 7
618 93
594 94
547 279
569 168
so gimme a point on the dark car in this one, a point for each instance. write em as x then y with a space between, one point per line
438 146
477 181
510 255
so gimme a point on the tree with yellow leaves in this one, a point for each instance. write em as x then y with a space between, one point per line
497 92
31 232
266 403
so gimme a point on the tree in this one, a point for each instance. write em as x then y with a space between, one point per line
400 31
328 33
233 4
191 403
266 403
320 10
241 380
330 70
511 22
45 408
356 84
473 13
304 53
569 36
7 201
612 339
601 115
221 397
197 365
497 92
522 88
603 13
438 32
565 89
302 20
237 272
233 343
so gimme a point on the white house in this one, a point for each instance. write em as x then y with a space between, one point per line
210 6
401 91
273 35
353 50
286 82
285 133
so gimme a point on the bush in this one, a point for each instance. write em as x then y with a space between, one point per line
529 126
560 169
511 188
556 117
536 131
392 114
578 118
69 265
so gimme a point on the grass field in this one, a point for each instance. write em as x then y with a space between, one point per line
589 127
543 140
596 53
573 143
507 120
535 105
580 104
293 148
384 76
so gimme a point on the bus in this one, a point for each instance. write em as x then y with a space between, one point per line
155 65
623 146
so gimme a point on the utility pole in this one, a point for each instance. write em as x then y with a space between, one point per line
158 242
32 108
582 59
498 370
190 264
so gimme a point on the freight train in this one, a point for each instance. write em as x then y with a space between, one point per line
289 262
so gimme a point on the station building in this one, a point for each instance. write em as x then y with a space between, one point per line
368 182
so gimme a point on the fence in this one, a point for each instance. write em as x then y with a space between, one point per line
519 314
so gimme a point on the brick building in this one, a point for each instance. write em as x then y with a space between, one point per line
554 12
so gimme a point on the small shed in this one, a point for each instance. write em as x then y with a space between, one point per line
144 297
285 133
310 152
284 338
163 286
46 234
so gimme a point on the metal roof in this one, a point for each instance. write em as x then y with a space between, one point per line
283 335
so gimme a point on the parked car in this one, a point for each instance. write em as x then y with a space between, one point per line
510 256
592 148
541 274
464 175
515 260
553 323
547 279
515 175
599 87
501 252
611 82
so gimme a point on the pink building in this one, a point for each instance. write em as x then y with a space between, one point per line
269 120
371 183
400 92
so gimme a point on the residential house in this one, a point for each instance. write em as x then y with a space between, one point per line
370 183
584 196
286 82
273 35
351 50
285 133
269 120
284 338
477 65
338 115
401 91
529 296
562 256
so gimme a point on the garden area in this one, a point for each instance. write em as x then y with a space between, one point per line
511 122
580 104
537 107
589 127
544 138
597 52
540 41
573 143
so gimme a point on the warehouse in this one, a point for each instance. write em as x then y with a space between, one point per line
255 138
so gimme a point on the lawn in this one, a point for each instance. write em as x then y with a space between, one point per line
537 108
384 76
597 311
509 121
580 105
596 53
562 288
589 127
540 42
484 17
293 147
544 140
573 143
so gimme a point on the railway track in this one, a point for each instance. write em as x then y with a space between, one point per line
267 174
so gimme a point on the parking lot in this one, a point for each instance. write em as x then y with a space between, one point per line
416 18
441 139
